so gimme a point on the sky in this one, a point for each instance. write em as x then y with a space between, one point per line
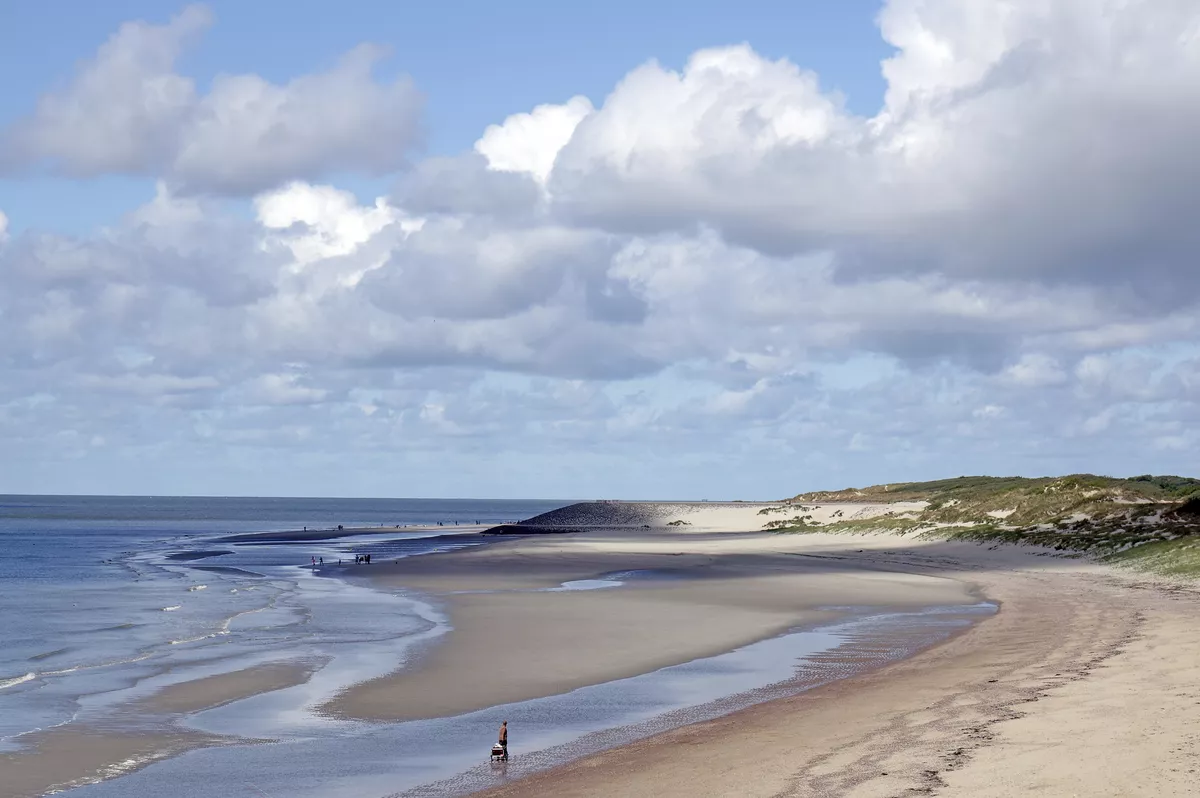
634 250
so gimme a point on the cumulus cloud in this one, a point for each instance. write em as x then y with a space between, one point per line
128 111
715 258
1013 142
530 142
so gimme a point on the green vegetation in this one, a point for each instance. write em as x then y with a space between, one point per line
1179 557
1147 522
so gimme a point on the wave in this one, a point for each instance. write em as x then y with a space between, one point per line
194 588
195 639
172 609
13 682
48 654
110 772
94 666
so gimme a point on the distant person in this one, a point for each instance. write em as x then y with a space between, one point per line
368 559
314 559
321 560
504 738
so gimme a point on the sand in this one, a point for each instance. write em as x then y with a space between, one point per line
712 593
1083 684
74 755
224 688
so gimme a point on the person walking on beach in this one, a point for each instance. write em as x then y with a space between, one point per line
504 738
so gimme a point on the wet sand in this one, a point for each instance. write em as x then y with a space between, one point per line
224 688
516 638
1083 684
70 755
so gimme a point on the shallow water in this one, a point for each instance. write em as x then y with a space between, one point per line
447 757
104 599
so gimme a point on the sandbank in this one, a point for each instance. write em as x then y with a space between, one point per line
71 755
213 691
516 636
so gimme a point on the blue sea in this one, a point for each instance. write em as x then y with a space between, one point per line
102 597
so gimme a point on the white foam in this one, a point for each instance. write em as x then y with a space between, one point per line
172 609
29 677
197 587
585 584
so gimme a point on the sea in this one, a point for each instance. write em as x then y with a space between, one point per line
101 594
105 601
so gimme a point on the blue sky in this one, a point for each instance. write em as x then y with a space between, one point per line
645 250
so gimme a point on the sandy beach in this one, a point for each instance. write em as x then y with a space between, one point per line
517 636
1081 684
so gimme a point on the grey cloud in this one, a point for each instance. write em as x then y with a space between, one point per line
477 269
464 185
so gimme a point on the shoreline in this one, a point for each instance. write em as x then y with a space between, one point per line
865 643
1061 693
702 590
518 636
730 593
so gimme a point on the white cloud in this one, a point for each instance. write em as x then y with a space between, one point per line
153 385
999 118
333 222
3 227
530 142
1035 370
246 134
988 412
283 389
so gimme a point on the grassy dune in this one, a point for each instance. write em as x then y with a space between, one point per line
1151 523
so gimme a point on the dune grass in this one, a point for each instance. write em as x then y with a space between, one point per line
1151 523
1177 558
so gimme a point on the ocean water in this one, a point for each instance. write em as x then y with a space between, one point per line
106 599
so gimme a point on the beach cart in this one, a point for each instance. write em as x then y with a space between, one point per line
499 754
